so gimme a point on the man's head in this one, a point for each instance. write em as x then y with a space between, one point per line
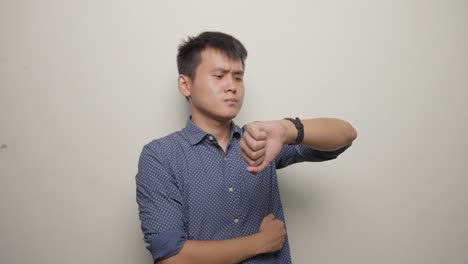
211 71
189 56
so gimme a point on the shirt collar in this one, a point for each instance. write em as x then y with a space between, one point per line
195 135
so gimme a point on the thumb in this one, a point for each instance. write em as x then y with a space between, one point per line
257 169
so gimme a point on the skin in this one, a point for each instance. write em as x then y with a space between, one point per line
215 95
262 141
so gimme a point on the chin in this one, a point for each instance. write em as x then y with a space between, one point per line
229 116
232 114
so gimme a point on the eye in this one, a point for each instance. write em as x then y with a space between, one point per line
219 77
239 79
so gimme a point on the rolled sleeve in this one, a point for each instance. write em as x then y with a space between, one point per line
300 153
167 244
160 204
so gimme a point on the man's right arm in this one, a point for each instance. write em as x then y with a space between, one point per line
270 238
161 213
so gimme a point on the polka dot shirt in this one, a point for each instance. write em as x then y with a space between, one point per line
188 188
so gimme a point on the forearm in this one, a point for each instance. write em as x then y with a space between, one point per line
326 134
218 251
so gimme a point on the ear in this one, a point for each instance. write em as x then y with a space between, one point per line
185 85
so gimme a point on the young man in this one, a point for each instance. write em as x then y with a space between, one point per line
209 193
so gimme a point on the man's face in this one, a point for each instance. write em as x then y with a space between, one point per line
217 90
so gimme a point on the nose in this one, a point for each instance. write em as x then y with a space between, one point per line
231 86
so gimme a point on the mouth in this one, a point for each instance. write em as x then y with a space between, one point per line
231 101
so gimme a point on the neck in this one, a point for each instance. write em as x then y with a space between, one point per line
221 130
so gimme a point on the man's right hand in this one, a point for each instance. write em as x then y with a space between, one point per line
269 238
273 234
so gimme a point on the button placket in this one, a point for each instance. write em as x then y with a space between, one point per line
232 190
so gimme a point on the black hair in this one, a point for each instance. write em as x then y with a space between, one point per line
189 55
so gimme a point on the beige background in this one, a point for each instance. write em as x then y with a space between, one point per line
85 84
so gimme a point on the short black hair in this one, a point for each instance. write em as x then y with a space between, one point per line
189 55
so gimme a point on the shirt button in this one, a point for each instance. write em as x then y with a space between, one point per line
236 220
210 138
231 189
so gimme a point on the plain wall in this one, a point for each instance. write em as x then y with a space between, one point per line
85 84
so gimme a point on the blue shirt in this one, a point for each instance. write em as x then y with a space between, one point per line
188 188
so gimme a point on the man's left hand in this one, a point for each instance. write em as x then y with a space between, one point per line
261 143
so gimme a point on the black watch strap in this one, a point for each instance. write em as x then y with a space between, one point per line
300 130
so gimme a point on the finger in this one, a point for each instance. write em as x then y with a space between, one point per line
253 158
255 131
252 143
250 161
252 170
256 156
254 152
257 169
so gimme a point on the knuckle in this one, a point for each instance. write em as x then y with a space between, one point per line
242 142
251 162
253 155
254 145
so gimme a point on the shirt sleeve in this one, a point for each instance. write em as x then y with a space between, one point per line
160 204
291 154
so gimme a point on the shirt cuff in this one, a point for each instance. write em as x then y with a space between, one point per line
167 244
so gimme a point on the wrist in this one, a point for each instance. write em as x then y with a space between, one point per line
291 131
299 130
260 243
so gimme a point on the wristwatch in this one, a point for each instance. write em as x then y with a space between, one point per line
300 130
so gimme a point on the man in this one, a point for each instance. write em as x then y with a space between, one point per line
209 193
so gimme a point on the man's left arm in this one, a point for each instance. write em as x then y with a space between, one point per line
262 141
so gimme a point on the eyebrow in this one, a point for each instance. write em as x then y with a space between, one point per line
223 70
